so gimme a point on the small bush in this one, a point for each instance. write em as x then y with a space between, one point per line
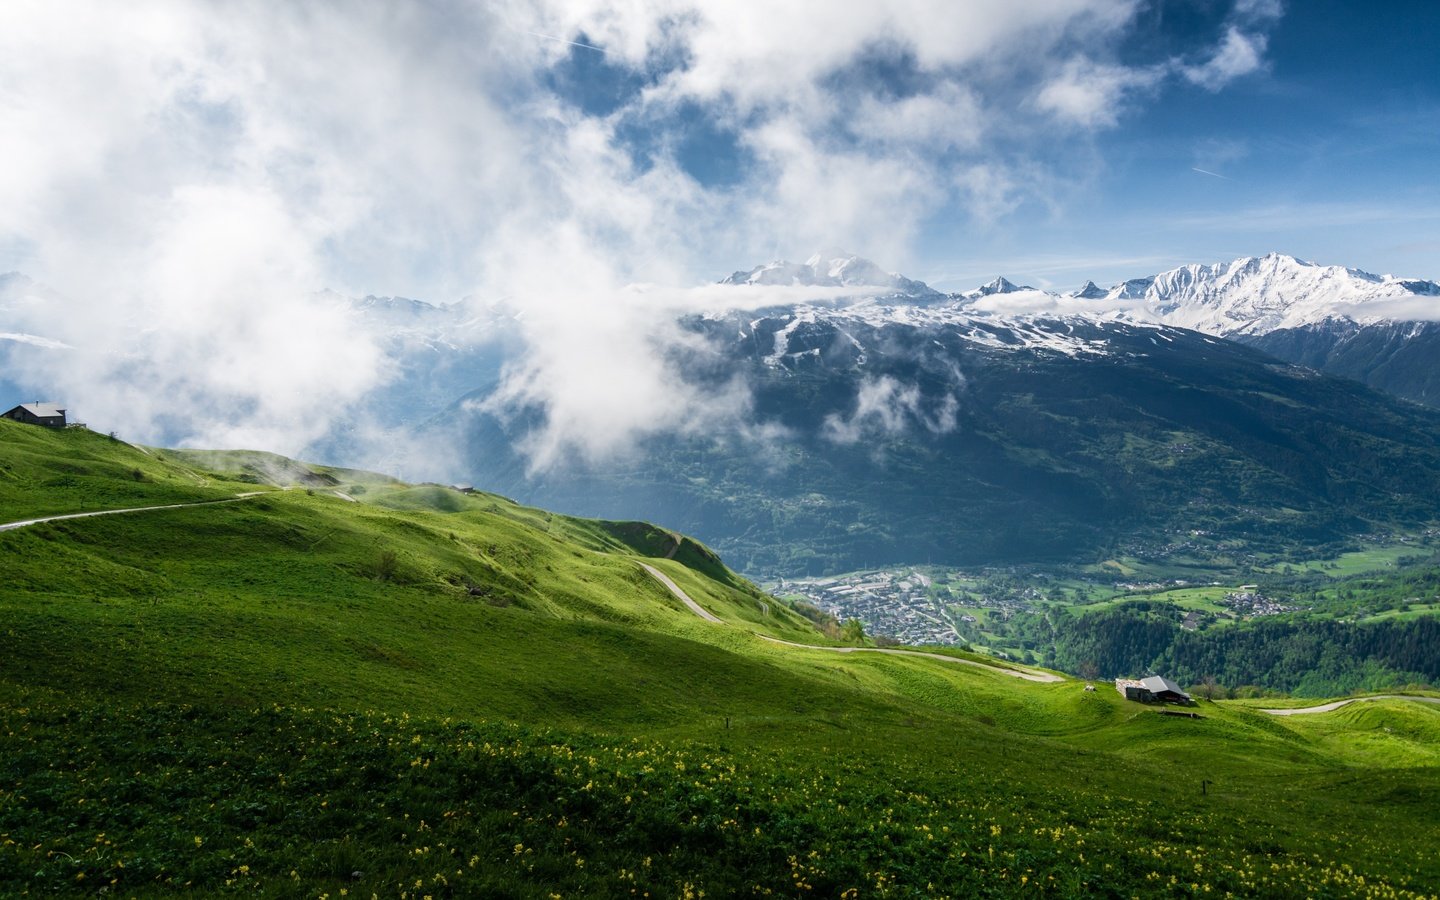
387 564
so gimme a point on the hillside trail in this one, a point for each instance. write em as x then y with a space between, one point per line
684 598
25 523
1327 707
702 612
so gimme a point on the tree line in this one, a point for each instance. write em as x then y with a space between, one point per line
1304 657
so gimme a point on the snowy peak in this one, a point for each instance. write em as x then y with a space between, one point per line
397 310
835 270
1000 285
1252 295
1255 295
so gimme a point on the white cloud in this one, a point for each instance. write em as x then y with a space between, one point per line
1093 95
950 117
1239 54
885 406
190 175
761 53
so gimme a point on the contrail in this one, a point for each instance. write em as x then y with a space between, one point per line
1211 174
551 37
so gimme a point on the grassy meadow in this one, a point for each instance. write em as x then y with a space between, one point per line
430 693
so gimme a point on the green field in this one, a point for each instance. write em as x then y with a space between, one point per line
1203 598
1356 562
431 693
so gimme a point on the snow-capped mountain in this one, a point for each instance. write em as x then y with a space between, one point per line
858 425
997 316
1248 296
1256 295
837 270
1379 329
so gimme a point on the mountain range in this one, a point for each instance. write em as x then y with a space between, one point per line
1245 407
1009 424
1377 329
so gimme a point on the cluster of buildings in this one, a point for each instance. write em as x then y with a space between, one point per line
1248 602
893 604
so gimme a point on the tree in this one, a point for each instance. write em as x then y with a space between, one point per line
853 631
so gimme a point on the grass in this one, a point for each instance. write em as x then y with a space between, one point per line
47 472
446 694
1356 562
1408 611
286 801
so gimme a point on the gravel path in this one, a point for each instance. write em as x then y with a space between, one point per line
696 608
25 523
1327 707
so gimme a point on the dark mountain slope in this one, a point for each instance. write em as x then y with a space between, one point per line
966 442
1400 358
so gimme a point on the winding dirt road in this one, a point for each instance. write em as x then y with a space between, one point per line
684 598
25 523
702 612
1327 707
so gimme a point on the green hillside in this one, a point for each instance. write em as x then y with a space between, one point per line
435 693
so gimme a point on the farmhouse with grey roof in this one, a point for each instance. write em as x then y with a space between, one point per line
1155 689
38 413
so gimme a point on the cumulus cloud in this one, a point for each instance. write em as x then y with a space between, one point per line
1093 95
190 176
1238 54
1241 50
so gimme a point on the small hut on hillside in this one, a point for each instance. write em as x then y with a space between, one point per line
1155 689
48 414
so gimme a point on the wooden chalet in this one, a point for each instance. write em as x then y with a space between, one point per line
37 413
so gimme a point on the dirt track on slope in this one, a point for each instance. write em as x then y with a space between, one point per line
684 598
1327 707
25 523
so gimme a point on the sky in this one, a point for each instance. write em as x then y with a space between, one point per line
188 179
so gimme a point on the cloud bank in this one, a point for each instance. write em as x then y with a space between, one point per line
190 176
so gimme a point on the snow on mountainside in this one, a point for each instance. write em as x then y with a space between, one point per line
1256 295
1247 297
1244 298
836 270
998 316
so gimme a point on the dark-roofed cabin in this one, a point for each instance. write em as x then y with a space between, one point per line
1155 689
37 413
1164 690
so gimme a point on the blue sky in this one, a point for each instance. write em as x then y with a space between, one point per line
1331 152
1328 148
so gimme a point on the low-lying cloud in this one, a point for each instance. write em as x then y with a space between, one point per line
885 407
189 178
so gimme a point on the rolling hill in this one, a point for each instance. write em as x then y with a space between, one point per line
431 692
